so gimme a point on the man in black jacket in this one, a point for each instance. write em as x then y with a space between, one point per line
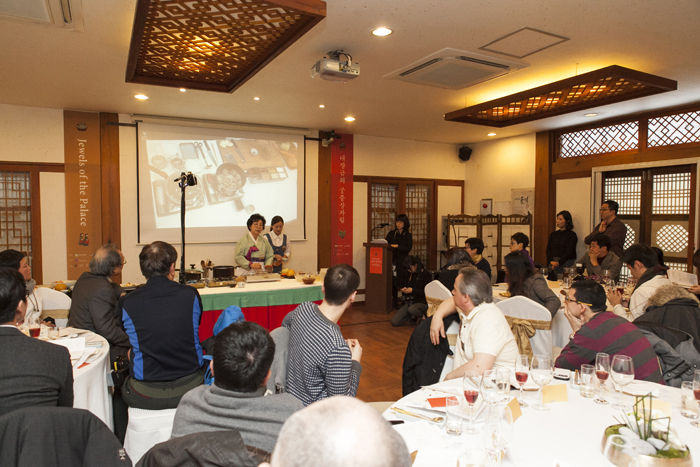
95 297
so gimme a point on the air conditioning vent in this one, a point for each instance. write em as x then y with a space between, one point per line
455 69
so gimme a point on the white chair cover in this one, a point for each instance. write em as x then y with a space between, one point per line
147 428
524 308
435 289
53 303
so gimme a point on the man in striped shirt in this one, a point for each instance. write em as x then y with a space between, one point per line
596 330
321 363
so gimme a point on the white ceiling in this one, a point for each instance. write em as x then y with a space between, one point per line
47 67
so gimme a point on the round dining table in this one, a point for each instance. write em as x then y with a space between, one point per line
568 435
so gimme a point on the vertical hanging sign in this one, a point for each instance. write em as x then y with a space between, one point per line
341 200
83 192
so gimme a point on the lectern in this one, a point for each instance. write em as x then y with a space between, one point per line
378 278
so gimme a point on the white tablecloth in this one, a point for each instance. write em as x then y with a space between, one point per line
90 383
570 432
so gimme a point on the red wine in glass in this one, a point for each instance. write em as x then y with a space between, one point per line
34 332
697 394
601 375
472 395
521 377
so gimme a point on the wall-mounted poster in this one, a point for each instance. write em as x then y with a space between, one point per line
523 200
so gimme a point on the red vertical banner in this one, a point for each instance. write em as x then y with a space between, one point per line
83 189
341 200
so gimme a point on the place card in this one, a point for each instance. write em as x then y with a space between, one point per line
438 402
556 393
515 409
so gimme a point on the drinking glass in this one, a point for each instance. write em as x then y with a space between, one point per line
622 372
606 275
587 381
522 369
34 326
498 433
453 426
53 333
471 394
504 385
689 408
490 383
544 272
696 393
473 458
602 370
541 373
616 445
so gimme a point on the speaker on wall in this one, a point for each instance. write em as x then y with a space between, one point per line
465 152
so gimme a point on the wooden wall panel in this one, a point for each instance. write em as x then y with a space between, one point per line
109 157
545 196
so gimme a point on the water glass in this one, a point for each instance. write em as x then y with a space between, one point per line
504 386
541 372
696 393
616 446
588 379
622 372
491 381
454 419
53 333
498 433
689 407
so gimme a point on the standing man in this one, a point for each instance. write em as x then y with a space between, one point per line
162 322
610 226
321 363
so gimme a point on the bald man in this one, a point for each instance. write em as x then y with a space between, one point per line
339 432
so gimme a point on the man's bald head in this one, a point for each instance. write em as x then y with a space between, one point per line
105 260
339 432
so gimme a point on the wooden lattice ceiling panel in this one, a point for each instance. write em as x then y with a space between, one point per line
596 88
213 45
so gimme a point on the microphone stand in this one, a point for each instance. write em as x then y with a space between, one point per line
185 180
380 226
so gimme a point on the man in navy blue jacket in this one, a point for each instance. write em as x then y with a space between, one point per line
162 321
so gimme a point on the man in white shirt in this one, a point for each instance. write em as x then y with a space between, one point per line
643 264
485 340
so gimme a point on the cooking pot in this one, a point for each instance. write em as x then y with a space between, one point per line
223 272
192 274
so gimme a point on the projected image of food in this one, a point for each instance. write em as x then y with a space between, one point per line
238 174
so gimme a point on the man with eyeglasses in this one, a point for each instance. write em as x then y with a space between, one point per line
597 330
611 226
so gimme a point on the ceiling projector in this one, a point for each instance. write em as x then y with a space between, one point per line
332 69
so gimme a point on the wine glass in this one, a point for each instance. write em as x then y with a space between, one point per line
522 368
34 325
541 373
471 394
490 385
616 445
622 372
504 385
602 370
498 433
696 393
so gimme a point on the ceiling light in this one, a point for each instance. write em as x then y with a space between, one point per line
349 119
256 98
382 32
590 115
593 89
491 134
183 90
322 106
143 97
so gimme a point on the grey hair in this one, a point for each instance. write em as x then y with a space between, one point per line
105 260
476 284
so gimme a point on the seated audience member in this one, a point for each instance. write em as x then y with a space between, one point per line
596 330
598 258
485 339
243 354
460 259
524 280
561 245
321 363
475 247
32 372
695 289
643 265
18 261
339 432
660 255
95 297
611 227
519 242
414 305
162 322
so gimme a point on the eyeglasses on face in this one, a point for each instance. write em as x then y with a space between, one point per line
567 299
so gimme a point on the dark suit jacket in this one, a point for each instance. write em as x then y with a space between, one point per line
33 373
94 308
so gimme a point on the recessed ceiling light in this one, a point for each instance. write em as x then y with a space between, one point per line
382 32
322 106
590 115
256 98
183 90
349 119
143 97
491 134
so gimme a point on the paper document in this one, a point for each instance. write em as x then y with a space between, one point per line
682 279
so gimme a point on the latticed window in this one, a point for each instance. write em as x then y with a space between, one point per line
383 208
418 211
674 129
671 194
613 138
15 212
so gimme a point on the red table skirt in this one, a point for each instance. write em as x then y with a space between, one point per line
269 317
